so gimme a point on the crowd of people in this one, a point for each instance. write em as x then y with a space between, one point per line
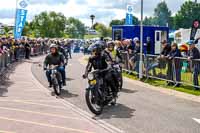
170 59
13 50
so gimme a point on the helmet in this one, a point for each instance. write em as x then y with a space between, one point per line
53 46
135 39
95 48
110 44
191 42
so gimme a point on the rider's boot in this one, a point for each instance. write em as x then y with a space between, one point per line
50 84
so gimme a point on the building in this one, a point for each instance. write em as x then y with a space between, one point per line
1 28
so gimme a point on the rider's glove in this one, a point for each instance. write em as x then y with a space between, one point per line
84 76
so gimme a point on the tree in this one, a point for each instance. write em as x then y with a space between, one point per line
162 14
103 30
116 22
49 24
189 12
150 21
75 28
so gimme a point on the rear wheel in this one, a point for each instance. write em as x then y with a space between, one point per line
120 81
93 104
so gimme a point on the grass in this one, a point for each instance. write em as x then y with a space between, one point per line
91 36
163 84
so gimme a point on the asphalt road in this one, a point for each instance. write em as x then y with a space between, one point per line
139 109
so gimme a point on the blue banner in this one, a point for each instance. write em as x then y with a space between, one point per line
21 13
129 15
20 22
129 19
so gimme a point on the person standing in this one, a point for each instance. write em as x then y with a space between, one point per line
27 50
194 55
174 66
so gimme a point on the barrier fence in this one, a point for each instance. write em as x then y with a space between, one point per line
176 71
11 56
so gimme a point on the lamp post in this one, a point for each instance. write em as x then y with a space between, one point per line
92 18
141 43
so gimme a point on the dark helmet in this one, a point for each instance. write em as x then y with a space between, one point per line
96 48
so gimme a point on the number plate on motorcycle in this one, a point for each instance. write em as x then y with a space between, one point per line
93 82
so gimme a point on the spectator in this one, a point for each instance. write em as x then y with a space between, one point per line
134 60
161 58
194 54
148 45
1 50
174 65
27 50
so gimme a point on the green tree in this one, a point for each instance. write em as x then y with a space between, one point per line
162 14
75 28
50 24
103 30
150 21
189 11
116 22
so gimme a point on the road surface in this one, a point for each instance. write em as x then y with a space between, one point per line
139 109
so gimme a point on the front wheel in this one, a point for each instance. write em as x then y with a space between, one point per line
56 87
93 104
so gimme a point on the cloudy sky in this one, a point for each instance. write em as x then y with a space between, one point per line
104 10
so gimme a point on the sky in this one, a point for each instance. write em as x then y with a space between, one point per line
104 10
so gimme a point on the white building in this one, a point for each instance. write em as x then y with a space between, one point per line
1 28
183 35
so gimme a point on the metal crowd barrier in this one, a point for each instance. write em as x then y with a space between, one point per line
39 50
18 54
177 70
5 60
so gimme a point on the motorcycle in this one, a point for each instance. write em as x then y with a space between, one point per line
56 79
118 71
98 94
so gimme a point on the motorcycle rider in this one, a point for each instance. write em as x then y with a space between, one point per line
55 58
112 56
98 61
62 51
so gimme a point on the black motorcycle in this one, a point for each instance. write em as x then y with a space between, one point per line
55 79
98 94
118 71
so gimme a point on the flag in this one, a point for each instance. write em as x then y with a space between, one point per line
21 14
129 15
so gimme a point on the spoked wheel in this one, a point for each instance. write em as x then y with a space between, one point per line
93 104
56 87
114 102
120 81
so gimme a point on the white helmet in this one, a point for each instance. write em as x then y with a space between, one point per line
136 39
53 46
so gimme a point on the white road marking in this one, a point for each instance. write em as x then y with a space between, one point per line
197 120
45 125
41 113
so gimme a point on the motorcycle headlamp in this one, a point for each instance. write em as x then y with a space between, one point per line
90 76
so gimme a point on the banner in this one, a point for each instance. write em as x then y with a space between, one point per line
129 15
21 13
195 26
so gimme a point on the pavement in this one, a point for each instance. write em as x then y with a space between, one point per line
26 106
